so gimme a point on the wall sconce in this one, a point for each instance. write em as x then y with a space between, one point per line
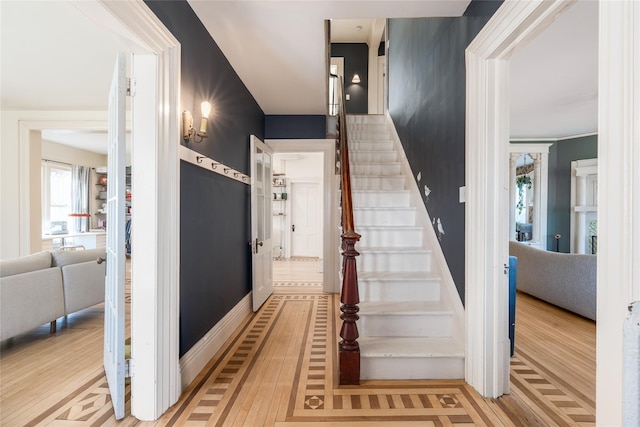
188 131
356 78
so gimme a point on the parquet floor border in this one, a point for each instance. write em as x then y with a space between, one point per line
288 349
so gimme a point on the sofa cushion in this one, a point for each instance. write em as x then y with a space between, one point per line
83 285
25 264
29 300
62 258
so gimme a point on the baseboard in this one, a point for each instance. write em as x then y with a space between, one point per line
194 361
431 240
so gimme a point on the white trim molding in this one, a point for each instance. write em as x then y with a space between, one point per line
487 189
618 278
195 360
190 156
618 282
449 290
330 238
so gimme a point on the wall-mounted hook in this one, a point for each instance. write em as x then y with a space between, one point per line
214 165
226 170
199 159
244 178
236 174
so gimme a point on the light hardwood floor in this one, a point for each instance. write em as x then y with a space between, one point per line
279 370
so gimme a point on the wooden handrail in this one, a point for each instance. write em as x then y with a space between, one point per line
349 349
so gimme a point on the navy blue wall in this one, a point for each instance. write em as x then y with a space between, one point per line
427 104
482 7
214 222
356 60
561 154
295 127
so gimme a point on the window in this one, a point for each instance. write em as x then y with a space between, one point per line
56 193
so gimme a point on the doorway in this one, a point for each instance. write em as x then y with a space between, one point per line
487 135
298 185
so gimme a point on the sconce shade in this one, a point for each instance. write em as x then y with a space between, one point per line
356 78
206 109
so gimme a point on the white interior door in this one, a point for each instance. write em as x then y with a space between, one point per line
305 219
114 363
261 221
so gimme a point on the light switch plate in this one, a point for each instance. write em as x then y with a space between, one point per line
463 194
348 97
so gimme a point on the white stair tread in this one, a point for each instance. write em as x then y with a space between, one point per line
397 275
380 191
354 163
390 228
403 307
364 176
410 347
370 151
393 249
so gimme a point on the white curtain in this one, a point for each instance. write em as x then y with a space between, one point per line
80 176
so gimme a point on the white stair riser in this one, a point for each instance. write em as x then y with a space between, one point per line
390 237
398 290
376 169
354 147
405 325
373 156
365 134
378 183
367 121
393 261
381 199
381 216
409 368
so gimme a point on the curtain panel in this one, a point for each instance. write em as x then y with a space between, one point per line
80 178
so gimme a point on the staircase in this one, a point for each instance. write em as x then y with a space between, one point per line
409 326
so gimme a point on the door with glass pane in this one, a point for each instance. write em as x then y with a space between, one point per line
261 221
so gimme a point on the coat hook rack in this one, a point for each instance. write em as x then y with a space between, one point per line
195 158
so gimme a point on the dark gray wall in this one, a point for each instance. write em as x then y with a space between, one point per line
356 60
427 105
295 127
214 223
482 8
561 154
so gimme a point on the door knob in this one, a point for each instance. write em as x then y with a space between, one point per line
100 260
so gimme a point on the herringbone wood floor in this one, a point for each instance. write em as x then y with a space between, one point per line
279 370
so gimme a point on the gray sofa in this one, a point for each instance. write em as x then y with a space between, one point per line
565 280
39 288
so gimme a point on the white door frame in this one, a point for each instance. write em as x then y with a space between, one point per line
330 237
487 134
155 384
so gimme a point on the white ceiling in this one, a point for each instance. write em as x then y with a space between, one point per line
554 79
53 58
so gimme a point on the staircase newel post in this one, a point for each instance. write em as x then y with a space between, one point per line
349 349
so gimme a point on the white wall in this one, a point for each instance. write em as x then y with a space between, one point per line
10 168
75 156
